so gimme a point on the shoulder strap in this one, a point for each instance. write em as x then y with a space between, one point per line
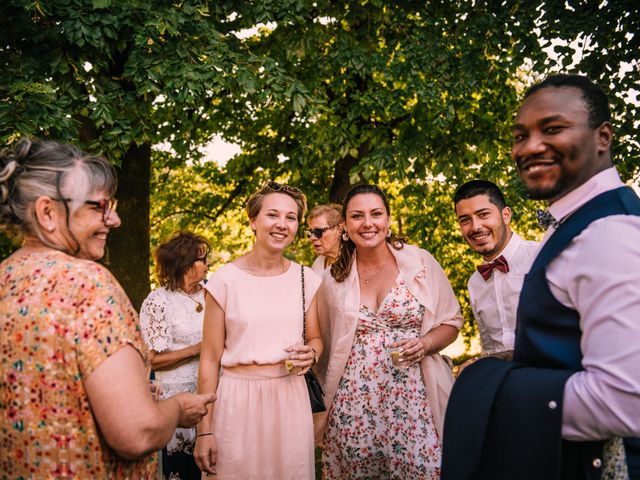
304 309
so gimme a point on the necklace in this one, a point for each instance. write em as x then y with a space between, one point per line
199 306
367 280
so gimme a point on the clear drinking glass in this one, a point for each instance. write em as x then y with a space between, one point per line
288 361
396 353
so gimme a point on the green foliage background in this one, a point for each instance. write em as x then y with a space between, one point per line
415 96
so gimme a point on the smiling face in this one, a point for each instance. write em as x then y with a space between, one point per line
276 224
483 226
329 244
87 231
367 221
554 148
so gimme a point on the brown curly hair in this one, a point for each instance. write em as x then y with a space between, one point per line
176 255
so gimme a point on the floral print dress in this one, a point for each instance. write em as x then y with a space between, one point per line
60 318
380 424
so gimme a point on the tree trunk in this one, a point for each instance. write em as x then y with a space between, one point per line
128 256
341 184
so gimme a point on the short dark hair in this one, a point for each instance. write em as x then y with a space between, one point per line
176 255
592 94
480 187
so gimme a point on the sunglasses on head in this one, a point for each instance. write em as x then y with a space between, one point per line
318 232
281 187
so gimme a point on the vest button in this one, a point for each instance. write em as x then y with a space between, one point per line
553 405
597 463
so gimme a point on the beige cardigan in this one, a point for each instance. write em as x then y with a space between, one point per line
338 305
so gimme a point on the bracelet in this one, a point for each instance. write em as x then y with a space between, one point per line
315 356
430 344
204 434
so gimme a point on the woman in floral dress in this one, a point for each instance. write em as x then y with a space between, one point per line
383 421
171 320
74 394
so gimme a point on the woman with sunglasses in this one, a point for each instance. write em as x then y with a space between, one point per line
324 232
73 365
386 311
261 426
171 321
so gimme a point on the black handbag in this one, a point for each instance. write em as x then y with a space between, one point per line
316 394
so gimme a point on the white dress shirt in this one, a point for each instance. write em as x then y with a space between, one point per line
494 302
598 275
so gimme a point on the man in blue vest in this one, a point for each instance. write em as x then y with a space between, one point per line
568 405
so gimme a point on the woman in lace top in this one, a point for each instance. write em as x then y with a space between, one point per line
171 320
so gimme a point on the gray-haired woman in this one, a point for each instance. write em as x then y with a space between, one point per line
73 367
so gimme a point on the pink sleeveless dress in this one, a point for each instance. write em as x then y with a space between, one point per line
262 417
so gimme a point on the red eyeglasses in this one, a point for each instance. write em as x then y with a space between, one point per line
107 205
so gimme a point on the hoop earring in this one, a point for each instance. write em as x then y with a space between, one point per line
389 233
345 236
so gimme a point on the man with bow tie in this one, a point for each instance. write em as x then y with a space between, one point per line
485 224
568 405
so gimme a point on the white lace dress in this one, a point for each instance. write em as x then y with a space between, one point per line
169 322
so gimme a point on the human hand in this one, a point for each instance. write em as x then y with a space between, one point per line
412 350
155 388
193 406
205 453
302 357
195 349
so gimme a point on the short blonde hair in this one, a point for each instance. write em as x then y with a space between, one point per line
254 205
333 212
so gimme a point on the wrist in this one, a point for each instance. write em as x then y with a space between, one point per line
427 343
315 356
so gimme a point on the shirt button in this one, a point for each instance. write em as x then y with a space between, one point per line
553 405
597 463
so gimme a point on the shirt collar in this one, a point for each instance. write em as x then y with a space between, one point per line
602 182
510 248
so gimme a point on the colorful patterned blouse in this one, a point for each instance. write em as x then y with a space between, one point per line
60 317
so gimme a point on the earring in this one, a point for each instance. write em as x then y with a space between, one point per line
345 236
388 233
50 228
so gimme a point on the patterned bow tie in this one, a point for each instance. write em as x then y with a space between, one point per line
546 220
486 269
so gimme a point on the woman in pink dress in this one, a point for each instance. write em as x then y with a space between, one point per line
385 414
261 426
